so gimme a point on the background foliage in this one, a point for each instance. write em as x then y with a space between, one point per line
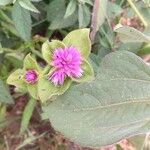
118 99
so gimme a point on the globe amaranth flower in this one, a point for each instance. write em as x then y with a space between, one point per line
26 79
31 76
67 61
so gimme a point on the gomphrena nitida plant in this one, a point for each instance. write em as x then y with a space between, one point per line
67 62
89 109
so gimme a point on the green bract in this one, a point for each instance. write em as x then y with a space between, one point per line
43 88
78 39
17 78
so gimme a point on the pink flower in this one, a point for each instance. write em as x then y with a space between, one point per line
66 63
31 76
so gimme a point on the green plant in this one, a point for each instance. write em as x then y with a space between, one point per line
92 87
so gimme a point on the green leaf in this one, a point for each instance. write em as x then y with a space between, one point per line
1 49
36 0
57 19
55 6
27 113
88 73
129 34
10 28
84 15
132 47
33 90
114 9
144 50
17 79
15 59
49 47
28 5
47 89
60 22
30 63
22 21
70 8
80 40
114 106
147 2
90 2
5 2
4 94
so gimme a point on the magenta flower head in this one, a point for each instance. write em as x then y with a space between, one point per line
67 63
31 76
26 79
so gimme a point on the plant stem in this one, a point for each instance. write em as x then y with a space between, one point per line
137 12
27 114
36 52
37 23
94 20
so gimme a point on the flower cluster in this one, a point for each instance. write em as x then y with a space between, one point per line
31 76
66 63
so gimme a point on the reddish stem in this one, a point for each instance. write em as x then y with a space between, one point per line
94 20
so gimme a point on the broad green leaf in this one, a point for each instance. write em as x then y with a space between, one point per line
47 89
114 106
84 15
28 5
22 21
55 6
4 94
5 2
129 34
80 40
132 47
60 22
27 113
70 8
49 47
57 19
17 79
88 73
30 63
